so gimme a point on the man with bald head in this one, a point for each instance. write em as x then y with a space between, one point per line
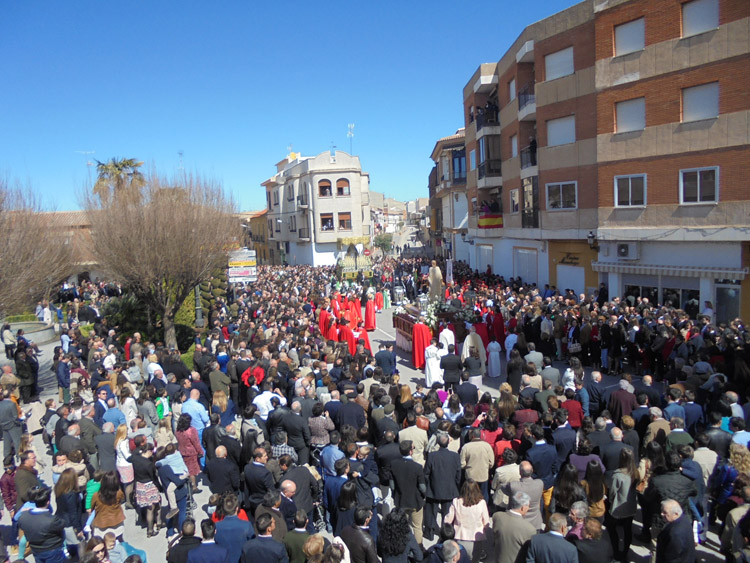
610 453
105 448
534 488
288 507
223 473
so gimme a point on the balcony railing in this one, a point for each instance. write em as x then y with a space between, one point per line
459 179
526 96
488 118
304 233
530 218
489 167
528 157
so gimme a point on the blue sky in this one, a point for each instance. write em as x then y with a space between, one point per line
232 84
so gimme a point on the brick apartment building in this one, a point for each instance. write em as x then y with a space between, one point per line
613 138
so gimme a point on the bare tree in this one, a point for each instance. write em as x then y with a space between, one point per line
33 257
164 238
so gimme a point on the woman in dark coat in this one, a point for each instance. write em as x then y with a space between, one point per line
396 542
70 508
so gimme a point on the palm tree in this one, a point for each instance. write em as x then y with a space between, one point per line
117 177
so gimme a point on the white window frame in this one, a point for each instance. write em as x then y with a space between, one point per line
515 207
623 125
705 14
473 159
512 89
559 58
699 170
645 190
560 120
631 35
514 146
559 185
701 110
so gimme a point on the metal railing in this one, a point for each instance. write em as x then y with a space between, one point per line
525 97
488 118
530 218
528 157
491 167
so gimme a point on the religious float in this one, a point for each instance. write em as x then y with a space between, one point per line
356 259
406 315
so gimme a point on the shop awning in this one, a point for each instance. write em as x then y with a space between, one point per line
684 271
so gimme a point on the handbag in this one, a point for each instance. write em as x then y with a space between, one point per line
574 347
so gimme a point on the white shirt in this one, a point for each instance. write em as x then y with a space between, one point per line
263 402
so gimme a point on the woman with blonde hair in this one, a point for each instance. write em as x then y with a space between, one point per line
69 507
164 434
224 407
123 466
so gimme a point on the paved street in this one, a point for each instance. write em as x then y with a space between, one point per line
156 546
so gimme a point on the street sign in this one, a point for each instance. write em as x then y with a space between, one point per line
242 259
367 251
242 272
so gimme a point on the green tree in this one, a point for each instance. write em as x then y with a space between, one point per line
118 177
383 242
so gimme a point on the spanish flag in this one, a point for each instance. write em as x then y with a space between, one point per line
491 221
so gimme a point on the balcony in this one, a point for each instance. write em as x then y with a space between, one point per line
489 167
304 234
302 202
527 104
530 218
528 161
526 53
488 121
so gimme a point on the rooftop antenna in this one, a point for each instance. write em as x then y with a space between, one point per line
333 150
180 166
350 134
86 155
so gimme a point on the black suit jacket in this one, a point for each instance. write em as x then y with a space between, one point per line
610 455
384 360
452 366
408 475
384 457
307 487
276 418
551 548
234 448
297 430
543 458
258 481
224 475
468 393
675 542
263 550
178 553
442 471
361 545
565 442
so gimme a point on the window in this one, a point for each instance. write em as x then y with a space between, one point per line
699 16
268 197
473 159
342 187
630 37
446 168
276 197
290 192
514 146
561 131
558 64
515 201
293 223
278 225
630 115
326 221
270 227
345 221
459 164
512 89
561 196
700 102
699 185
482 150
630 191
324 188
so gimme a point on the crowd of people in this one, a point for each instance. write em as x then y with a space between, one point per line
314 449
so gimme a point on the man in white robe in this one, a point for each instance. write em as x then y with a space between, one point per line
447 337
436 282
432 372
473 340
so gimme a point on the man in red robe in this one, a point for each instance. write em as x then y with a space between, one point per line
481 328
346 335
379 301
370 314
332 330
323 320
361 334
421 335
